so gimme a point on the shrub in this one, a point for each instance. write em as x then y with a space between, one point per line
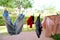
13 18
56 37
0 12
1 21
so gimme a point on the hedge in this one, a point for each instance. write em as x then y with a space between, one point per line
2 22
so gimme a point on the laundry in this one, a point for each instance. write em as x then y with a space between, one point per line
15 28
19 23
30 21
8 22
52 25
38 27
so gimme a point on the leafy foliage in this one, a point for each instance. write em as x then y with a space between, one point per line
7 3
56 37
15 3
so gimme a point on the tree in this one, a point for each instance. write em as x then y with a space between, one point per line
25 4
15 3
7 3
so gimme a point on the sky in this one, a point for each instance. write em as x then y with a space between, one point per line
41 4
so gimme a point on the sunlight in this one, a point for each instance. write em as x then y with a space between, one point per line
41 4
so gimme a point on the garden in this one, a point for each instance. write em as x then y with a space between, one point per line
27 8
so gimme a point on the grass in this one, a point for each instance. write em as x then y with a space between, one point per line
3 29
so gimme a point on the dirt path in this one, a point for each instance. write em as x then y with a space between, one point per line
25 36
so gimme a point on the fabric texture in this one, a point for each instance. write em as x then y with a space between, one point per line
15 28
8 22
19 23
52 25
30 21
38 27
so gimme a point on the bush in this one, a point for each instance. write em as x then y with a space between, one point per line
56 37
1 21
0 12
13 18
